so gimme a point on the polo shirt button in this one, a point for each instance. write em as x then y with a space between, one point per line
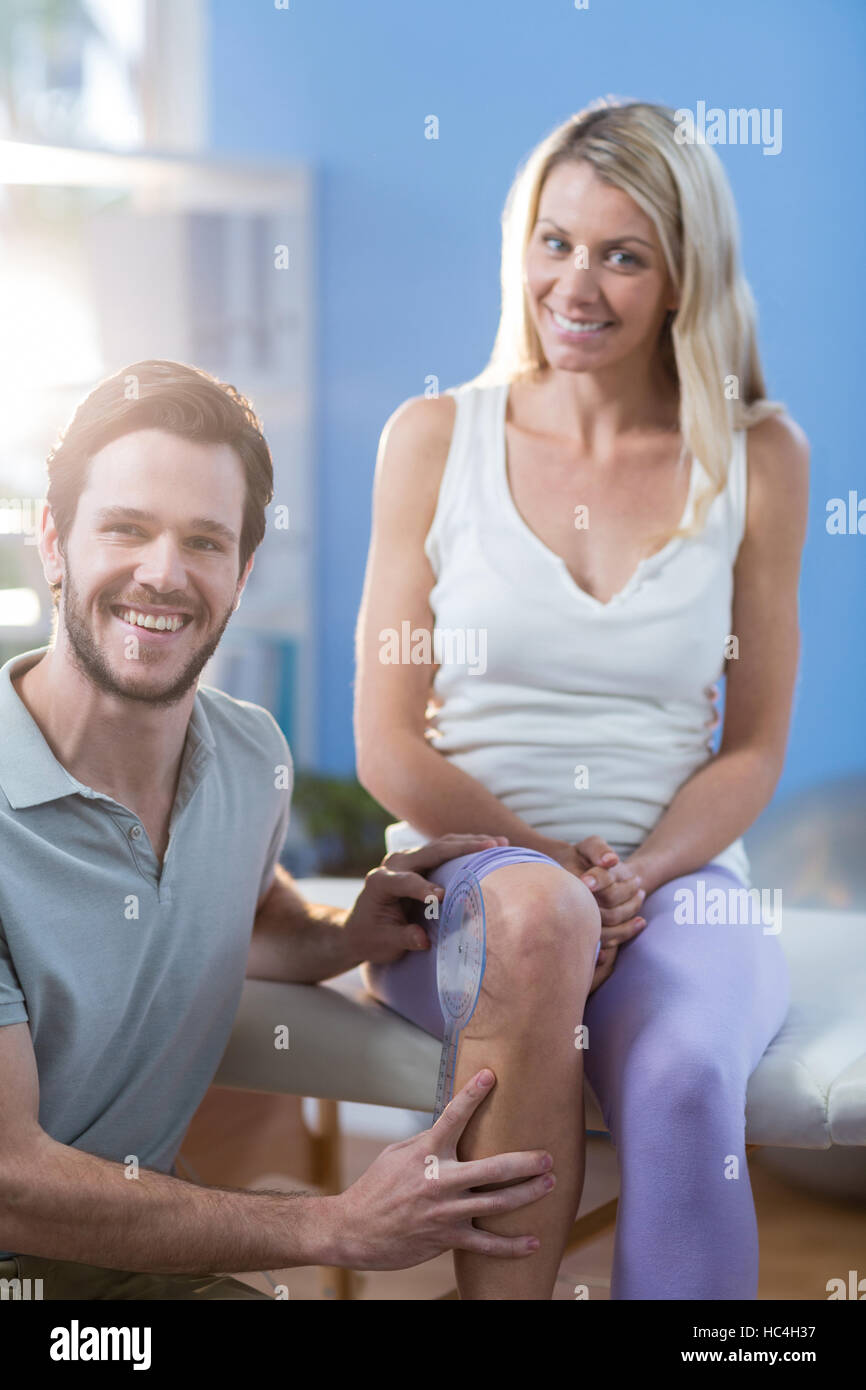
135 832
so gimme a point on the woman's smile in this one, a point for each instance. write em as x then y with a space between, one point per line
572 329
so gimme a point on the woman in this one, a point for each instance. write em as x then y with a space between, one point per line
606 520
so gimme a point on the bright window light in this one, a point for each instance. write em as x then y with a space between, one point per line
19 608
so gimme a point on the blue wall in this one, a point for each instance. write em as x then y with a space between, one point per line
407 241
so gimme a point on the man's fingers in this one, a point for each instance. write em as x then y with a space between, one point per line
389 884
504 1247
438 851
459 1111
416 939
508 1198
508 1167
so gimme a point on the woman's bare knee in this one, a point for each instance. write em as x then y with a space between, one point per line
543 926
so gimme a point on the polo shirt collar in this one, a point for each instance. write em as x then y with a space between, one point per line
30 775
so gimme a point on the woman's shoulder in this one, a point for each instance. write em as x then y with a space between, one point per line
413 450
416 442
778 454
421 422
777 445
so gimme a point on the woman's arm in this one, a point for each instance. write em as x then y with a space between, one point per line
723 798
395 761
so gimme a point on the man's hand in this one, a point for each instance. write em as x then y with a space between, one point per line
416 1199
379 928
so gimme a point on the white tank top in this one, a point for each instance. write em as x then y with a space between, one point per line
582 717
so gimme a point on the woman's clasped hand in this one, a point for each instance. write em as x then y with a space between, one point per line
617 888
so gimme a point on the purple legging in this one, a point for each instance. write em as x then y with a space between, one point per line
674 1034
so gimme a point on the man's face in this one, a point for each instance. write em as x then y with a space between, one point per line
151 563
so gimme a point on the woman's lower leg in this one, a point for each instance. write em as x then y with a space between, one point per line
540 962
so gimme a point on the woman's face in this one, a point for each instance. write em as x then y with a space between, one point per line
594 258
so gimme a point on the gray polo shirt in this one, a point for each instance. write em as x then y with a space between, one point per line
130 978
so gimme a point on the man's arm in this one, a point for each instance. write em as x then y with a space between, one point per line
63 1204
294 940
301 942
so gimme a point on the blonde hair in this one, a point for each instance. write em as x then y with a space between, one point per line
711 338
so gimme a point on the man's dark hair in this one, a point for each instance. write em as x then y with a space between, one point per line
170 396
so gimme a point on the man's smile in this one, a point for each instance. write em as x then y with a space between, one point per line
159 623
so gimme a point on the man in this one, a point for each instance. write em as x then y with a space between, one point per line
141 820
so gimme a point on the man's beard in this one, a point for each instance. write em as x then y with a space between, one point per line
89 659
